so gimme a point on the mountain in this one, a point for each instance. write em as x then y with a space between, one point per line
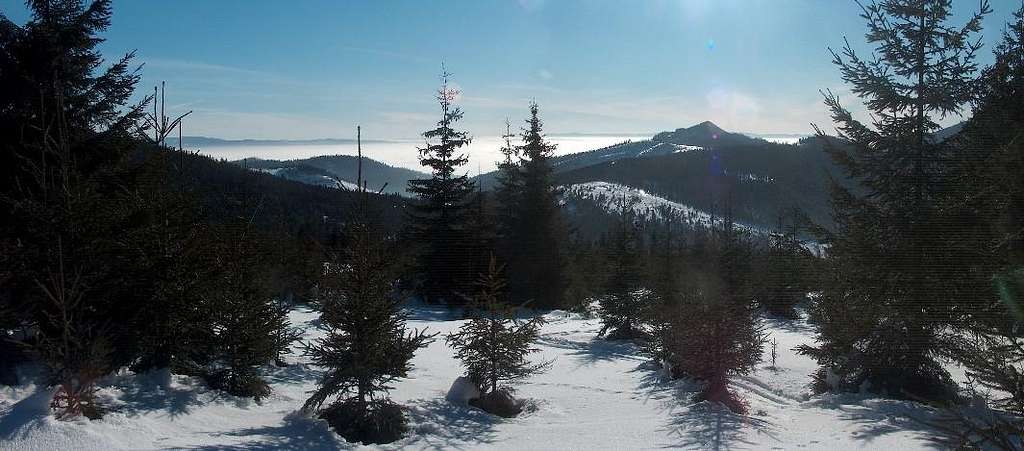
203 141
273 202
704 134
755 182
337 171
712 170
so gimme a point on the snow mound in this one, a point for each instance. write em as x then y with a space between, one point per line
462 390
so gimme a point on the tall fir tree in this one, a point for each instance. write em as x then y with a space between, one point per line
890 294
508 187
66 194
439 219
987 194
482 233
536 266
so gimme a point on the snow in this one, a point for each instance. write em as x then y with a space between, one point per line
597 395
462 391
609 196
344 184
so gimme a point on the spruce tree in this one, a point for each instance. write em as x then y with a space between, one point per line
622 306
482 233
786 278
366 346
536 265
712 333
439 218
507 190
249 328
67 194
988 194
890 294
494 344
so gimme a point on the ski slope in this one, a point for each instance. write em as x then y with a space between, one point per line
597 395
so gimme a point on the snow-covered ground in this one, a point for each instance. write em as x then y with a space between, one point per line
597 395
609 197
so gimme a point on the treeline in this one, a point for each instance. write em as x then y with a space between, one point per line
117 251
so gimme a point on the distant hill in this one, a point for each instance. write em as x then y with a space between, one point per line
203 141
756 181
697 137
273 202
338 171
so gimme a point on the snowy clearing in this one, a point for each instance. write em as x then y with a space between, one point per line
597 395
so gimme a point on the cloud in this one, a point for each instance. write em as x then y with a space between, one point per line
545 74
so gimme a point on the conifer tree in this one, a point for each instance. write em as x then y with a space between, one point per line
482 233
785 283
249 328
366 346
494 344
891 294
66 194
536 266
666 284
988 196
622 306
712 333
439 218
506 194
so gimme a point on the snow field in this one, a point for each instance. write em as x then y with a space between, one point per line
597 395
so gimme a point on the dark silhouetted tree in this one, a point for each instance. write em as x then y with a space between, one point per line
892 268
536 266
440 216
622 305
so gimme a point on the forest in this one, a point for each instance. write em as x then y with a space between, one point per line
123 254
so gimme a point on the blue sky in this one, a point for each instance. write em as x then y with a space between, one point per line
308 69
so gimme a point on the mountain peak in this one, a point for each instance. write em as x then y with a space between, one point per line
703 134
708 126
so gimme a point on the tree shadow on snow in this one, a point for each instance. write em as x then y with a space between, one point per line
440 424
594 350
701 425
707 425
149 393
429 312
27 414
294 373
876 417
296 432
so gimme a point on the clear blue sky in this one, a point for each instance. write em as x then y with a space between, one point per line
306 69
